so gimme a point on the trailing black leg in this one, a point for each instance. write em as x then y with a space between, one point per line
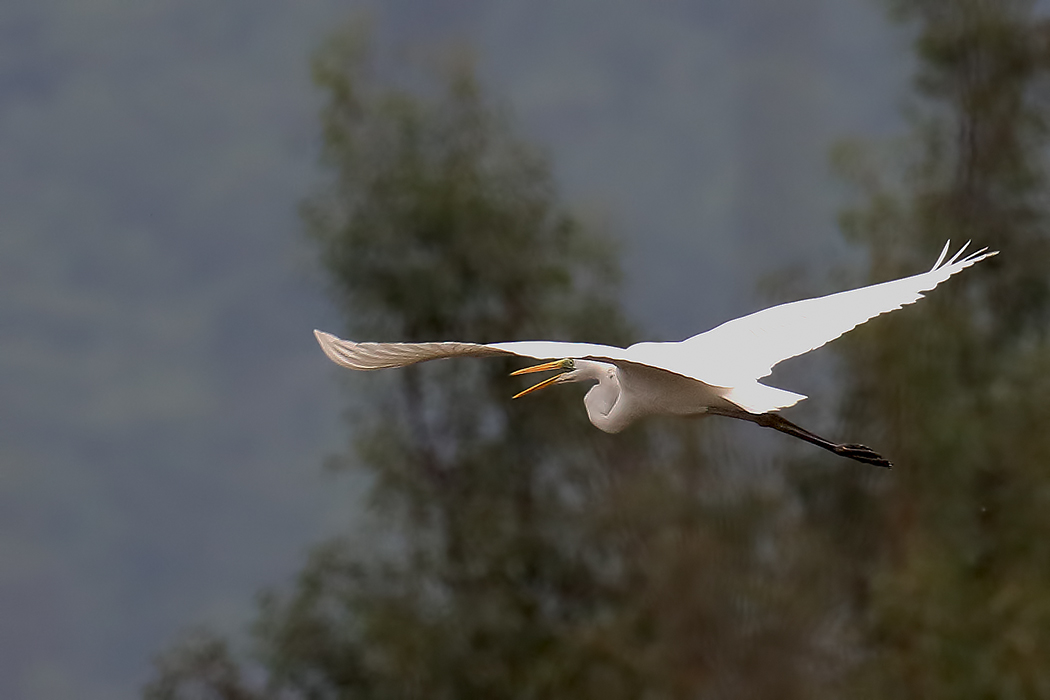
859 453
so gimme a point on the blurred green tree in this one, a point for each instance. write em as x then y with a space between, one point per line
952 586
524 554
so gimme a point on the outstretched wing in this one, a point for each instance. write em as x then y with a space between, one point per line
368 356
734 355
747 348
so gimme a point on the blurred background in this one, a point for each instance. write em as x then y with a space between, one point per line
195 503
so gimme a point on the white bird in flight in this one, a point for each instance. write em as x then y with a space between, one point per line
713 373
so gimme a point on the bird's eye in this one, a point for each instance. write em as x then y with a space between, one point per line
570 363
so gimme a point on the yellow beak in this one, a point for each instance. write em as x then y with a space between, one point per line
546 366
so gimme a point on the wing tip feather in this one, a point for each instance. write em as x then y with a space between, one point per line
337 349
958 261
323 337
958 254
940 258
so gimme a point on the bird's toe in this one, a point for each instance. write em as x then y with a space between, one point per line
863 453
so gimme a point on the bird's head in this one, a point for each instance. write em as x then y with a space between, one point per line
571 371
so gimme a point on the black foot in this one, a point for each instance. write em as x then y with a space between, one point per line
864 454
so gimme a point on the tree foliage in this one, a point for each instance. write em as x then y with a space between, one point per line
955 604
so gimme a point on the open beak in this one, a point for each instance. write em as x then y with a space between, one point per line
545 367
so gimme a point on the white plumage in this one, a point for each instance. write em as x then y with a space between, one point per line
715 372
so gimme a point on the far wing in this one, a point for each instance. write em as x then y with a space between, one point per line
369 356
747 348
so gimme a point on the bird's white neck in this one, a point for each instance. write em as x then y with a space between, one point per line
603 399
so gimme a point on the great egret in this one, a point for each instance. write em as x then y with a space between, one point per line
713 373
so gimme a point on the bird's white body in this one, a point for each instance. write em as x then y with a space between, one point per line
715 372
623 395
